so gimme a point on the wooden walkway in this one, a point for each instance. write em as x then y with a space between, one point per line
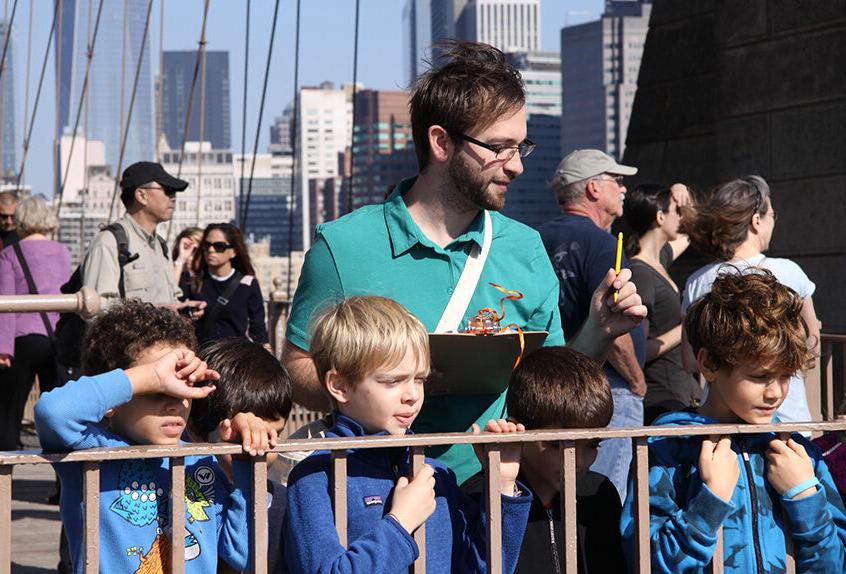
35 524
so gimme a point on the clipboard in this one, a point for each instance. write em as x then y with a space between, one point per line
469 364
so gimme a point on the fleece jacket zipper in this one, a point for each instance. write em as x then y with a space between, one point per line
753 493
555 558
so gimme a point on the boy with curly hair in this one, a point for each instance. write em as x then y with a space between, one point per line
143 374
749 338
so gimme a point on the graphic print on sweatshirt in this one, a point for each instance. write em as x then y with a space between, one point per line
142 502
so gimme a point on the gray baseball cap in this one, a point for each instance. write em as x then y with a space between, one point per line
585 163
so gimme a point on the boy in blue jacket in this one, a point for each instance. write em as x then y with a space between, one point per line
373 357
749 337
145 376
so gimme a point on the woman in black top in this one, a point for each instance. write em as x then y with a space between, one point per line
653 213
223 277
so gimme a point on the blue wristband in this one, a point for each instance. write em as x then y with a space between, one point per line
801 487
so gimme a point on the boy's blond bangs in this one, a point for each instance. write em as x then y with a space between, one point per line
361 334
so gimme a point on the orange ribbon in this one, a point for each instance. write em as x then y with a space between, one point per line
489 316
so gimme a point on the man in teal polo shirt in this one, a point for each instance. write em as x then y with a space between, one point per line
469 126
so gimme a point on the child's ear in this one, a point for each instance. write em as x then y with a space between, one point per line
706 364
337 386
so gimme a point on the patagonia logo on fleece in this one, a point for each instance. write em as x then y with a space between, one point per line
375 500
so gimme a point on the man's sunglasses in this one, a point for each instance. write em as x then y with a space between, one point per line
218 246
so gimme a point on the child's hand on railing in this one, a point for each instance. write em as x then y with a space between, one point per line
788 465
414 501
509 454
175 373
718 466
255 434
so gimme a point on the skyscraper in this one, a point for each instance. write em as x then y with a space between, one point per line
383 147
108 98
530 199
176 90
417 36
8 143
600 65
510 25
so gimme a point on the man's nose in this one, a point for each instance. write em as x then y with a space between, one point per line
514 165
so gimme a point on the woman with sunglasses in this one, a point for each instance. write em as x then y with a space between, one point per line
653 213
733 227
223 276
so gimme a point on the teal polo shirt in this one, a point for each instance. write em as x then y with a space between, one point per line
379 250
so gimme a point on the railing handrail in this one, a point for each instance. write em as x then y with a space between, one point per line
417 440
85 302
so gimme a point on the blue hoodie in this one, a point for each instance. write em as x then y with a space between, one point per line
456 540
685 515
134 493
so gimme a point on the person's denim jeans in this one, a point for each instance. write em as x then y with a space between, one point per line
615 455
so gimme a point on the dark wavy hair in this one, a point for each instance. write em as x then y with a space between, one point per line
471 85
642 206
749 317
557 387
720 223
241 262
251 381
116 338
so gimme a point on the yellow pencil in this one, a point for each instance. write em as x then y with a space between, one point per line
617 260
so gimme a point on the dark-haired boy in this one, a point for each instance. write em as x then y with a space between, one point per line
144 373
251 381
553 388
764 492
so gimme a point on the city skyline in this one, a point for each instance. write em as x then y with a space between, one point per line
378 68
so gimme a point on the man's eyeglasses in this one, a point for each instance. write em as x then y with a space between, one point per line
218 246
504 152
618 179
7 215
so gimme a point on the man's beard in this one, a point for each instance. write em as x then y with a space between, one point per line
471 187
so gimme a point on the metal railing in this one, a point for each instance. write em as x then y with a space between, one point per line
567 439
832 347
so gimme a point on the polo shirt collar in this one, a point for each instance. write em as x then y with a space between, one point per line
404 232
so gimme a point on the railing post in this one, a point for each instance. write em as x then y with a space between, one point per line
339 494
827 372
569 521
6 519
716 566
641 507
494 511
418 459
177 515
91 536
259 549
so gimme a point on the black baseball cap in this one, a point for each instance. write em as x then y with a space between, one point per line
143 172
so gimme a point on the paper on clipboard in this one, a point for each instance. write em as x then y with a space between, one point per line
469 364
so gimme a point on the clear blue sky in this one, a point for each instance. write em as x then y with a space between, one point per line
326 53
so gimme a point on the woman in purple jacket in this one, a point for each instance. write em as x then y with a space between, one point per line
25 347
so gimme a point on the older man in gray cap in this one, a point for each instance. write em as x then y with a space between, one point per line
589 187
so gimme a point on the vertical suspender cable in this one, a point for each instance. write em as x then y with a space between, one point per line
200 47
9 22
202 133
8 35
57 158
352 127
28 65
123 51
293 203
160 92
83 97
131 104
261 112
28 133
244 110
85 174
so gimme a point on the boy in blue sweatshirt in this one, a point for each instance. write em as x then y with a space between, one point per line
143 396
749 337
372 356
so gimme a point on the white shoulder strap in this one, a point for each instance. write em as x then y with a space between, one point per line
457 306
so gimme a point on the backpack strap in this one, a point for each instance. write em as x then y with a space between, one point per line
213 310
124 255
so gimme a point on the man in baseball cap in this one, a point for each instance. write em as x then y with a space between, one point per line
589 187
132 261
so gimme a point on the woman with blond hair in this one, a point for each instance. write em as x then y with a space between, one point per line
34 265
734 226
